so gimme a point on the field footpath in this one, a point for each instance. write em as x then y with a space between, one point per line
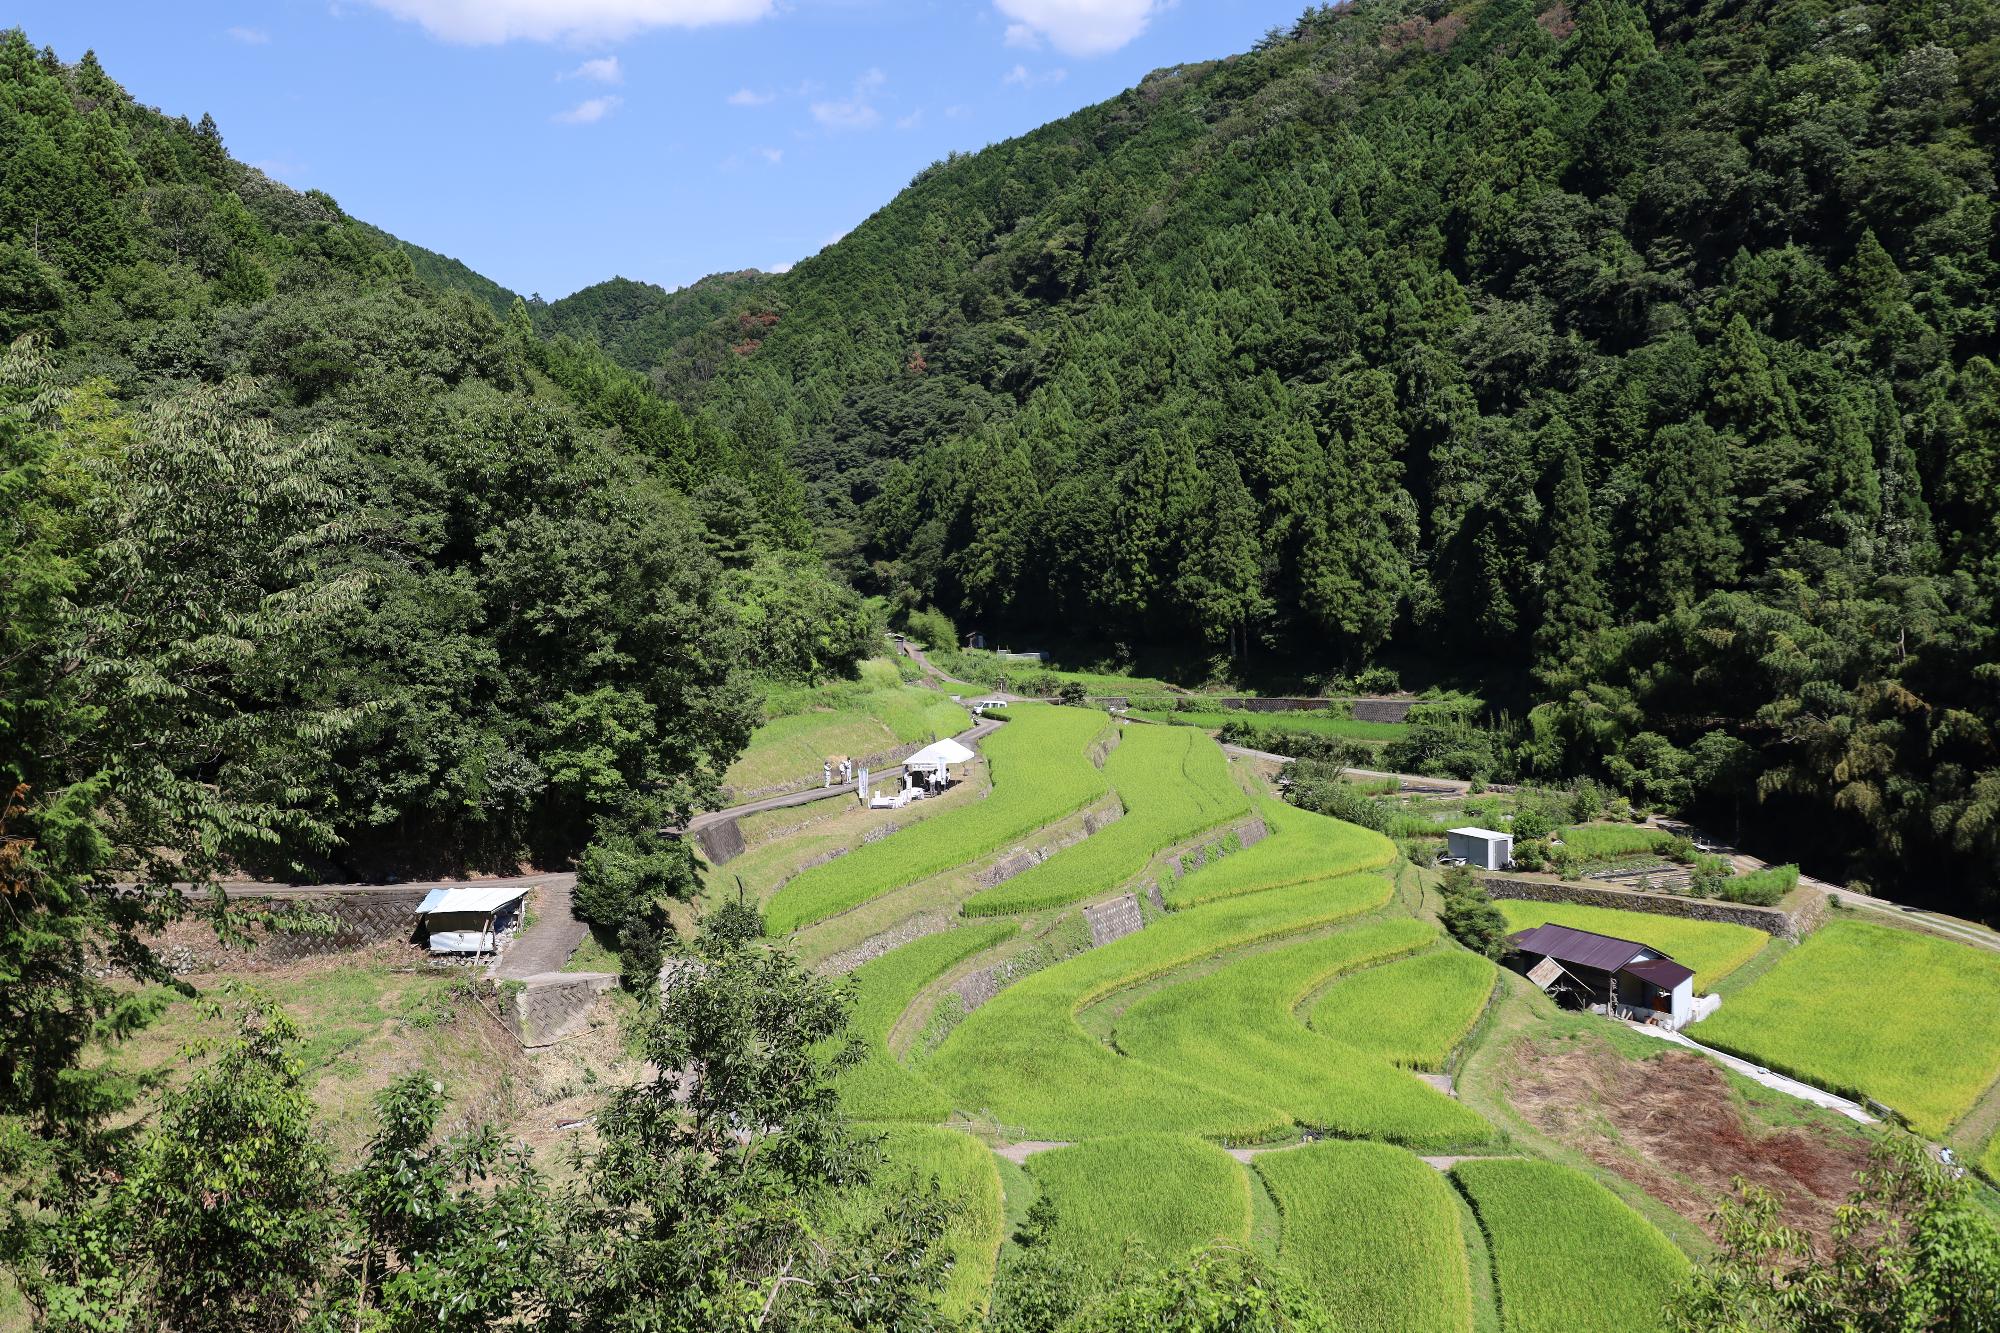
1756 1073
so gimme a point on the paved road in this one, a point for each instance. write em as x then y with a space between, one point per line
1757 1073
548 944
250 888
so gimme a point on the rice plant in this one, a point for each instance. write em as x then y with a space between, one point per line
1374 1232
1235 1029
1867 1010
1162 1194
879 1087
1413 1012
1022 1059
1040 774
966 1174
1567 1252
1174 783
1301 845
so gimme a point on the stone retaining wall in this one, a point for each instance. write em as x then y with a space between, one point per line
1113 920
1023 859
721 842
292 929
1794 924
543 1012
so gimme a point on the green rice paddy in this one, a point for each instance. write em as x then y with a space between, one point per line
1236 1029
967 1175
1301 845
1022 1060
880 1087
1165 1194
1874 1011
1713 949
1567 1252
1174 785
1413 1012
1374 1232
1041 773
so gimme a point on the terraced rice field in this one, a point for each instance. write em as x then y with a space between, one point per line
1174 783
1041 773
1235 1028
1301 846
1568 1254
1413 1012
1713 949
880 1087
1022 1059
1374 1232
1165 1194
866 716
1868 1010
1265 724
966 1174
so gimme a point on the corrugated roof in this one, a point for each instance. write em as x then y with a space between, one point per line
1583 947
1662 972
470 898
1485 833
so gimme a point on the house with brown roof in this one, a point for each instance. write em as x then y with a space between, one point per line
1623 978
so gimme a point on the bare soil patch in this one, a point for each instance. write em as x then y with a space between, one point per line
1672 1126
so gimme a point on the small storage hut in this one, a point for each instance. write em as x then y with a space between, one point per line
1623 978
470 918
1481 847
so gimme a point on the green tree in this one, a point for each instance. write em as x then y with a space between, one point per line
1573 599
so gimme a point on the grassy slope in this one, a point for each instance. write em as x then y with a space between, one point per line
1164 1193
1713 949
880 1088
855 718
1568 1253
1374 1231
1235 1028
1909 1019
1301 846
1413 1012
1023 1059
1040 774
1174 783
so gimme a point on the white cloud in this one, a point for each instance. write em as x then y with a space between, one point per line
1079 27
751 97
607 70
857 111
479 21
785 267
589 111
249 36
1022 36
911 121
772 155
1021 77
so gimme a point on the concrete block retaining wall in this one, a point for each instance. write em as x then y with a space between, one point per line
292 929
1794 924
546 1010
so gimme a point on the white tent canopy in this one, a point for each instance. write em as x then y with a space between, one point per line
940 753
470 918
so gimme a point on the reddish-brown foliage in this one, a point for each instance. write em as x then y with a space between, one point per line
1557 21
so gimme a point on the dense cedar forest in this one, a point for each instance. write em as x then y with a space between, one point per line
1635 359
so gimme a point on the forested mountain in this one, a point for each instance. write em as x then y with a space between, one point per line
313 555
1639 351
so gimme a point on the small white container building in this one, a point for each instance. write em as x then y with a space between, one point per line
474 918
1480 847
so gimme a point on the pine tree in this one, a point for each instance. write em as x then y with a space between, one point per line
1573 600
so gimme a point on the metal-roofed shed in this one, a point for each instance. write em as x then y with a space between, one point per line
1623 978
1482 847
471 918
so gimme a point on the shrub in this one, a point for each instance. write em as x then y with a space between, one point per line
1378 680
1762 888
1072 693
1531 856
1531 824
1710 874
932 628
1468 913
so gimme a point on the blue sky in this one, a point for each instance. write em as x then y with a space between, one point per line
554 143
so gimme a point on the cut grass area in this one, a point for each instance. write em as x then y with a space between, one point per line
1040 773
880 1088
1608 842
1568 1253
1713 949
855 718
1413 1012
1022 1059
967 1174
1235 1029
1301 846
1374 1232
1164 1194
1866 1010
1268 724
1174 783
